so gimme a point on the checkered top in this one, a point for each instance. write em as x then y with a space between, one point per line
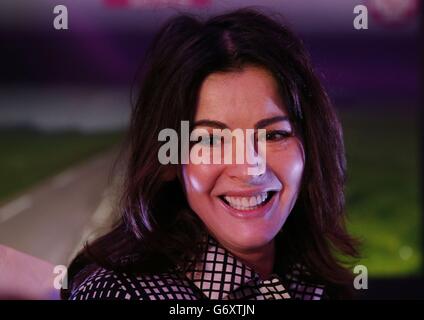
217 275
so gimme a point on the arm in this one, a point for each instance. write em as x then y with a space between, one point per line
25 277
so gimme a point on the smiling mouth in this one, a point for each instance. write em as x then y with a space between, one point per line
248 203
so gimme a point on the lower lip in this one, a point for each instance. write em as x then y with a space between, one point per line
253 213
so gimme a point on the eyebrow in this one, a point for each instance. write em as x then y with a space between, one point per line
221 125
266 122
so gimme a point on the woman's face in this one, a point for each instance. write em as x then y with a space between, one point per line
245 211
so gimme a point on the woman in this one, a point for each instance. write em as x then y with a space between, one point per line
213 231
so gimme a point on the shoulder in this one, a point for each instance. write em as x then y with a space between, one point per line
302 285
103 284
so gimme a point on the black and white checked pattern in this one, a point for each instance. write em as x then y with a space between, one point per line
218 275
300 289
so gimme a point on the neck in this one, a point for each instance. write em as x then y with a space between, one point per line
261 260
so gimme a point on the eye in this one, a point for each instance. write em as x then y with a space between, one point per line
277 135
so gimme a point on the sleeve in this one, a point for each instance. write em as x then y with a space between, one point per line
103 284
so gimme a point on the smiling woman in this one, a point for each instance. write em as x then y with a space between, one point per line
215 231
244 212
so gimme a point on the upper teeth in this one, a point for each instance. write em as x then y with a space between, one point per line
246 203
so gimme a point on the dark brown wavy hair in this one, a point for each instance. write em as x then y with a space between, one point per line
156 229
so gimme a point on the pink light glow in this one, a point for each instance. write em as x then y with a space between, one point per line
156 3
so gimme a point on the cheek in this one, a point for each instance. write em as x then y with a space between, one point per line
288 163
198 180
293 170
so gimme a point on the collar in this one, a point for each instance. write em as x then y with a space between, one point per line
220 275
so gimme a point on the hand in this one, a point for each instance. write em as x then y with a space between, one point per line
25 277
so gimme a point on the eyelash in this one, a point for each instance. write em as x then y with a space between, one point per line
270 136
282 133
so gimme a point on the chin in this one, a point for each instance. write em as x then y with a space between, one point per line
249 239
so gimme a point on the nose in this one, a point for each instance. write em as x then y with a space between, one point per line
248 162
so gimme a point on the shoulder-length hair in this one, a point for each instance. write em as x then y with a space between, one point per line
157 229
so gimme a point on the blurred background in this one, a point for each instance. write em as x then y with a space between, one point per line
65 98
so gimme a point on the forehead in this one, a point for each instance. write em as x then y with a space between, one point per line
249 93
